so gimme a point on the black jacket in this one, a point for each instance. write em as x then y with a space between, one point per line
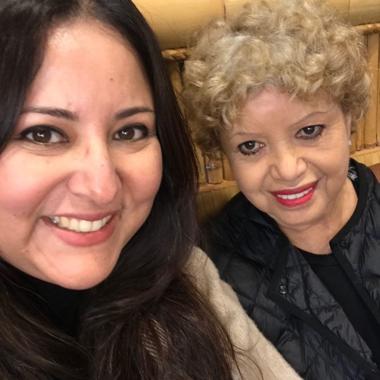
286 299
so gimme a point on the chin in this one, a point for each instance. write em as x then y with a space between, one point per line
79 280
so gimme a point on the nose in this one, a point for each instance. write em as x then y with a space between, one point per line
288 164
95 177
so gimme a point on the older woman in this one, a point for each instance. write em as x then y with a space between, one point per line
99 277
280 90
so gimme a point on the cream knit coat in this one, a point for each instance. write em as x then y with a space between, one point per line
259 359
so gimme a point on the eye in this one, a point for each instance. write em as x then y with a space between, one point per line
310 132
131 133
250 147
43 134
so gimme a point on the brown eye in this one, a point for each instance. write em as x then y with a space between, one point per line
131 133
250 147
310 132
43 135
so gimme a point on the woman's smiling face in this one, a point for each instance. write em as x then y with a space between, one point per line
82 169
290 157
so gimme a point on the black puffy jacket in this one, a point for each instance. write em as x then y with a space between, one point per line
287 300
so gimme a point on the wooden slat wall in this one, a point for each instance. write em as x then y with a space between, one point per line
366 140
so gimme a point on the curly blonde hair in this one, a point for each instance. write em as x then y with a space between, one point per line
299 46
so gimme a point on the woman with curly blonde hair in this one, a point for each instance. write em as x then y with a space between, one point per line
279 90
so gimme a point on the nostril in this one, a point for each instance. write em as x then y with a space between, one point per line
98 183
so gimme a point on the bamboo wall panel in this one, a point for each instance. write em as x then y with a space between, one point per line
358 137
378 96
370 135
175 76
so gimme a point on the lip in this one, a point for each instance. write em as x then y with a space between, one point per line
84 239
295 190
90 217
310 188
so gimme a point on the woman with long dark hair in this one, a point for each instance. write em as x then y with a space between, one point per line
99 277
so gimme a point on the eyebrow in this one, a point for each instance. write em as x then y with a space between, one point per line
132 111
312 114
301 120
65 114
55 112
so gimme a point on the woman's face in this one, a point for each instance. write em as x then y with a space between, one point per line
82 169
290 158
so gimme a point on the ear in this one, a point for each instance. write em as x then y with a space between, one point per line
348 122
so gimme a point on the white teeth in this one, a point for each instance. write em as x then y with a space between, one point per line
85 225
63 222
294 196
79 225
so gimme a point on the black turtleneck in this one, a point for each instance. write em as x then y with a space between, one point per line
60 305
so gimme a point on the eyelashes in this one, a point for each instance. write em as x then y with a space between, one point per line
132 133
250 147
43 135
310 132
49 135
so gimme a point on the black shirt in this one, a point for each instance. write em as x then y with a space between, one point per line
61 306
336 281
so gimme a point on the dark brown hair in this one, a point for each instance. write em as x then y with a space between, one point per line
146 320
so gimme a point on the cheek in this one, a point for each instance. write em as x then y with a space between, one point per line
251 180
249 176
142 174
333 162
27 184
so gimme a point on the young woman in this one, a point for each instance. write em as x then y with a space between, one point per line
279 90
99 277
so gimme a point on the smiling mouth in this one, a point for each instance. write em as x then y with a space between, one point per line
79 225
296 195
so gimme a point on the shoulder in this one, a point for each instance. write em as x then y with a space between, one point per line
257 353
229 222
376 171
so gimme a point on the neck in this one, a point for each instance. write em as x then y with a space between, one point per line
315 237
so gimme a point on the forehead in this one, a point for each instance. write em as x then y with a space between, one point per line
85 58
276 105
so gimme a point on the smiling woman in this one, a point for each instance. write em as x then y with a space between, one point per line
280 90
90 157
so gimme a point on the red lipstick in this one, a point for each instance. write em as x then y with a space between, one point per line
296 196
